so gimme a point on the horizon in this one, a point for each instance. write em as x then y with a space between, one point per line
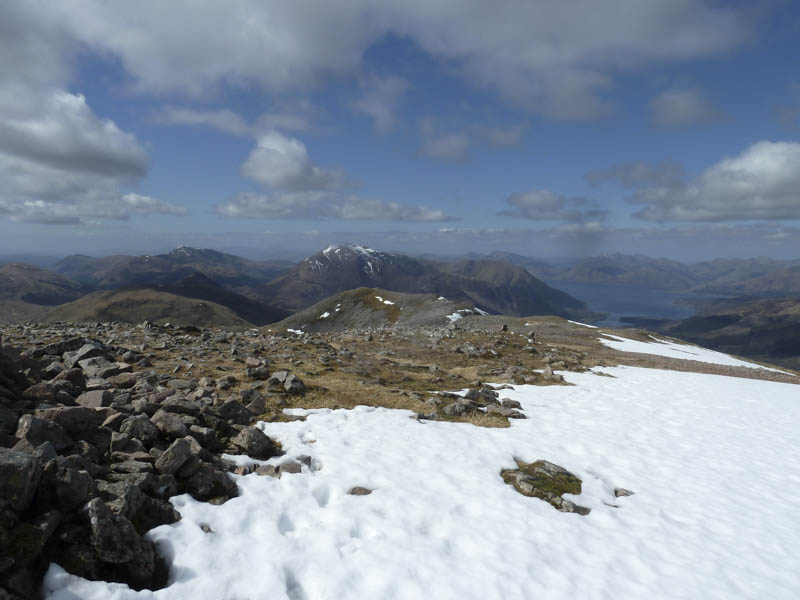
542 129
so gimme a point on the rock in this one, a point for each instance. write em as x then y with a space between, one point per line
254 401
267 470
359 491
8 420
548 481
255 443
95 399
206 436
256 368
226 382
140 427
235 412
506 403
76 420
73 376
293 385
175 456
620 492
36 431
42 392
290 467
99 367
180 405
64 486
169 424
209 483
19 478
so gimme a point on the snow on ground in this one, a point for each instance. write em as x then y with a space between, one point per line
455 316
582 324
675 350
325 315
296 331
714 462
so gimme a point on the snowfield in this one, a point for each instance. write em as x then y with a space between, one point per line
675 350
714 463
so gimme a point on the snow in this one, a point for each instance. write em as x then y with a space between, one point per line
714 462
441 298
455 316
581 324
325 315
380 299
675 350
388 302
481 312
296 331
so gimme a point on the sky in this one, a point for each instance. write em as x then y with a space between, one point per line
274 128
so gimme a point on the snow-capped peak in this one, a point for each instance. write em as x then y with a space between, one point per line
184 251
355 248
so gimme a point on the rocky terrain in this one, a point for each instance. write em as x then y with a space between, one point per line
101 423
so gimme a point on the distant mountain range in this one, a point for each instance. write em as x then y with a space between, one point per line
756 276
115 271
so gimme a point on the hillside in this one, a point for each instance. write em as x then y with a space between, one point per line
194 300
766 329
492 286
373 308
26 292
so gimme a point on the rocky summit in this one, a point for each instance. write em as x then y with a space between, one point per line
101 424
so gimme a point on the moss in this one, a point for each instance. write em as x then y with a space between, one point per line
538 480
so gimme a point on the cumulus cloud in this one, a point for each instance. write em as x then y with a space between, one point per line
761 183
544 205
321 205
546 57
379 100
301 190
681 107
59 161
283 162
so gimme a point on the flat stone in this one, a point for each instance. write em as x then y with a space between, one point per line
36 431
95 398
173 457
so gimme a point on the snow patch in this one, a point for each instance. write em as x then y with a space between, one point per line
675 350
325 315
296 331
581 324
714 462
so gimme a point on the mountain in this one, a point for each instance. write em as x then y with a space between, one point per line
493 286
659 273
117 271
194 300
26 291
758 276
373 308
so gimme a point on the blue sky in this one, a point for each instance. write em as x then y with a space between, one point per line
668 128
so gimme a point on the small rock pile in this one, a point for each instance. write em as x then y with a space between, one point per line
548 481
91 449
483 399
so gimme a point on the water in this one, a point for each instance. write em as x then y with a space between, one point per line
627 301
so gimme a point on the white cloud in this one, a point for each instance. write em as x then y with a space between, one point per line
681 107
322 205
380 98
283 162
761 183
451 147
147 205
544 205
227 121
547 57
